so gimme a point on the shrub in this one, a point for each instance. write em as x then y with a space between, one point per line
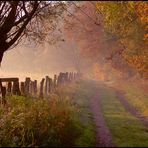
39 122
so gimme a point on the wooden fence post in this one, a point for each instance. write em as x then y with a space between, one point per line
35 87
27 82
55 81
3 91
69 76
59 79
46 85
9 88
66 76
50 85
15 89
31 88
62 80
22 88
41 88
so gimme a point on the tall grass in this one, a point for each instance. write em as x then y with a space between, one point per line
28 122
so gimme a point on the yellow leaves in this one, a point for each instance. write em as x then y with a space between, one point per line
129 21
139 62
142 11
131 3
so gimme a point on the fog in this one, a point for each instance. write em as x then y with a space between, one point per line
37 62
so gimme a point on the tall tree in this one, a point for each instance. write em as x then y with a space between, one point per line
126 22
31 19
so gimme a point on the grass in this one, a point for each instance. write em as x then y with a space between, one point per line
39 122
126 130
60 120
80 94
134 94
65 119
137 98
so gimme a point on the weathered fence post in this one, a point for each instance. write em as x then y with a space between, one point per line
22 88
50 85
70 76
3 91
27 82
55 81
9 87
46 85
35 87
31 88
66 76
59 79
41 87
16 89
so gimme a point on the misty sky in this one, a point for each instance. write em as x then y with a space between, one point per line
37 61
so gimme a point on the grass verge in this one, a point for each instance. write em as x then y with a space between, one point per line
80 93
126 130
137 98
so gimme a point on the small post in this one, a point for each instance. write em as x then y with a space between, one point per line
41 88
66 76
50 85
70 76
27 82
9 87
22 88
35 87
3 89
15 89
31 88
59 79
55 81
46 85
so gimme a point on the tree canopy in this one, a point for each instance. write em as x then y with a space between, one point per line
127 23
28 19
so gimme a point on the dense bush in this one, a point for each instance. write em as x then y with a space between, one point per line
39 122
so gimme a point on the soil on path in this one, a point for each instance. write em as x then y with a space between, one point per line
103 135
131 109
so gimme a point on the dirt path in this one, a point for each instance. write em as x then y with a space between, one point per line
131 109
103 137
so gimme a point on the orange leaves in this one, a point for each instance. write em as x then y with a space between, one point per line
128 23
139 62
142 11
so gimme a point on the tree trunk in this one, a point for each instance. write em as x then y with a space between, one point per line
1 55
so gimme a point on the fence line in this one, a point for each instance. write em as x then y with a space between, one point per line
30 88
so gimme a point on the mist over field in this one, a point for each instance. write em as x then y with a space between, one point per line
36 62
73 74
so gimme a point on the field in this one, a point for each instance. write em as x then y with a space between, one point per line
54 121
66 117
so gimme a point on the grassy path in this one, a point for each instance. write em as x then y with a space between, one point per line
126 129
103 136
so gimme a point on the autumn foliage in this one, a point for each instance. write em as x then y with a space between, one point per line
127 23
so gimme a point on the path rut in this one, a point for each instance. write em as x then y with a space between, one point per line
103 135
131 109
